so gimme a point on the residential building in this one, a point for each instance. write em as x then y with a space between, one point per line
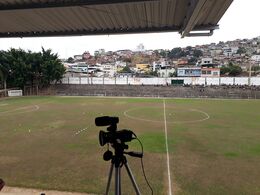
161 64
227 51
140 48
78 57
109 69
78 67
143 67
256 58
182 61
86 55
189 72
166 72
210 72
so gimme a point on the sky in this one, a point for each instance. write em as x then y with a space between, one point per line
240 21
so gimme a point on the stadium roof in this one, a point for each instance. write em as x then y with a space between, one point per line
30 18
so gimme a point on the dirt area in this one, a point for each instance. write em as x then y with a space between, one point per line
25 191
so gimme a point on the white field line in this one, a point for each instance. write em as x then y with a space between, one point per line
26 109
136 118
30 108
80 131
171 122
167 150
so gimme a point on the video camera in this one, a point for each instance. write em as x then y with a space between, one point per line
118 159
112 136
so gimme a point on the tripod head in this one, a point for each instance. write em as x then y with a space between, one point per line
115 138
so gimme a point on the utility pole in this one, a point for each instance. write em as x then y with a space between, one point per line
166 64
250 73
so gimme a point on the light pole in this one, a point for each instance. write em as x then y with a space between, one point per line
166 64
250 73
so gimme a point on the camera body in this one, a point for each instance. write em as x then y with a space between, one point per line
112 136
115 136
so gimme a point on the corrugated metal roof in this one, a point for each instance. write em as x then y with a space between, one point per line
89 17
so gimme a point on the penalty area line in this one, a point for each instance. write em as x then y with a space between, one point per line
167 150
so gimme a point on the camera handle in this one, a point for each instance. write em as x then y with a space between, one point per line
118 163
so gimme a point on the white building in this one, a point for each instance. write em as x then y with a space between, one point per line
256 58
206 61
161 64
140 48
227 51
109 70
78 67
120 64
166 72
78 57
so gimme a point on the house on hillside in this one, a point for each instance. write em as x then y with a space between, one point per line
189 71
210 71
182 61
109 70
161 64
143 67
78 57
208 68
255 58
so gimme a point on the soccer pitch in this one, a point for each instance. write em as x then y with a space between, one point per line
52 143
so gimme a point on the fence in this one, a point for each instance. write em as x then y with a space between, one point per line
163 81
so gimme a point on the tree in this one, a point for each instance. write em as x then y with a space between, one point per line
164 53
231 69
153 73
4 69
192 60
197 53
23 68
70 60
255 68
189 48
235 70
173 74
176 53
19 72
241 50
51 68
224 70
126 69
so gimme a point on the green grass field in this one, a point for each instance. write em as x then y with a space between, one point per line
214 145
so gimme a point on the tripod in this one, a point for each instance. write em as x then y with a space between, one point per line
118 161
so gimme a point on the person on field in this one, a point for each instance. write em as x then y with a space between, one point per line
2 184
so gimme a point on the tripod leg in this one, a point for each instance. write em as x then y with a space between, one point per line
117 181
137 191
109 178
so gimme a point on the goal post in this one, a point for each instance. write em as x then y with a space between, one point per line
15 93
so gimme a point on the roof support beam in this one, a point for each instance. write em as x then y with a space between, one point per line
62 3
200 34
89 32
194 13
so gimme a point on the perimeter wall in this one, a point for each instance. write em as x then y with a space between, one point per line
162 81
187 91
